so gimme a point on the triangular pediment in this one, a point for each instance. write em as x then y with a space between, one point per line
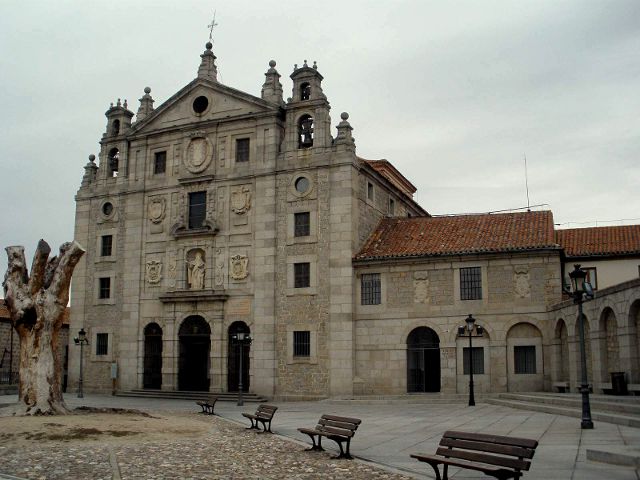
222 102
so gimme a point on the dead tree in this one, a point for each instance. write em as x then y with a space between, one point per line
37 304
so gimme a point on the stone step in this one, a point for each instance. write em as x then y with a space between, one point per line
618 419
630 399
599 402
627 456
426 398
184 395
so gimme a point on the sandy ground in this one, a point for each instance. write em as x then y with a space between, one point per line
112 428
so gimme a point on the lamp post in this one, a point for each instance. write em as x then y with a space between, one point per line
471 322
241 339
579 289
81 340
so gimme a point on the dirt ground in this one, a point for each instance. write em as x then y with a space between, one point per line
90 426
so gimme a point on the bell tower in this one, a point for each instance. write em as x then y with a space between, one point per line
308 121
114 140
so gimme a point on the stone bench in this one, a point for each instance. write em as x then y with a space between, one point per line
560 387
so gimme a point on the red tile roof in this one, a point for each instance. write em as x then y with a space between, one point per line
459 235
600 241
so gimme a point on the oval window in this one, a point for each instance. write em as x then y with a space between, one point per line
107 209
302 184
200 104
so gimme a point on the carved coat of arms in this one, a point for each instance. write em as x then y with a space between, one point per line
241 200
157 208
522 285
198 154
154 272
239 265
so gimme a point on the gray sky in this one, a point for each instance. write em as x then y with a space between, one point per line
453 93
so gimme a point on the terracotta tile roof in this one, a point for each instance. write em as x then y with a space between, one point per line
459 235
600 241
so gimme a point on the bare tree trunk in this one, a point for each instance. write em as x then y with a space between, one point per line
36 304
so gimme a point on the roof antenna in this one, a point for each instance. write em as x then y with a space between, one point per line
526 182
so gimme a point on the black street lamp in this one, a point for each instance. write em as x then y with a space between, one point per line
241 339
468 330
580 288
81 340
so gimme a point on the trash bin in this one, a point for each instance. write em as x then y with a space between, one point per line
618 383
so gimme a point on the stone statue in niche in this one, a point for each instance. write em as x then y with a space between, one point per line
154 272
195 271
522 285
239 265
241 200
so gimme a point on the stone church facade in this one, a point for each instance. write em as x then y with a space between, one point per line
220 213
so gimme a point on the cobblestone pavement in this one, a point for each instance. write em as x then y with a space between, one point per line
227 450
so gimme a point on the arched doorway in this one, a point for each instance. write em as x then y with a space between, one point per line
423 361
233 357
195 346
152 372
562 337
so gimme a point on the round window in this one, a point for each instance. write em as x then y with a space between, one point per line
107 209
302 184
200 104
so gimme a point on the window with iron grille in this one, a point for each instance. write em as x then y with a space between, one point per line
525 358
478 361
301 275
106 245
470 283
302 344
102 343
242 150
370 289
160 163
197 209
104 287
301 224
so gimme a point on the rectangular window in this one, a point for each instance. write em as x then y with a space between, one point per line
478 360
592 277
392 207
301 224
102 343
106 245
370 190
105 287
301 275
470 283
242 150
197 209
302 344
160 163
370 289
525 358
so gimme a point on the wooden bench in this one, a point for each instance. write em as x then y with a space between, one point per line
338 429
494 455
263 414
207 405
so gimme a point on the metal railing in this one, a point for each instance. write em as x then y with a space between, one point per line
9 378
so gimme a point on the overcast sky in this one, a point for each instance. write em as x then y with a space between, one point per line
454 94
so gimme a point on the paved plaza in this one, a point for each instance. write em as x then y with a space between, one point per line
391 432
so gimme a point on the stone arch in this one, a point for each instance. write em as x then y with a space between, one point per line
406 331
562 353
423 360
113 162
305 127
587 348
524 319
194 361
452 333
305 91
525 366
152 363
608 343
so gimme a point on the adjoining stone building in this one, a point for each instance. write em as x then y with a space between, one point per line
220 213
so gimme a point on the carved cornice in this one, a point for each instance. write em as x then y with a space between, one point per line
193 296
